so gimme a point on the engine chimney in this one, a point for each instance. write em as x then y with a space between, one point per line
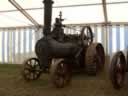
47 16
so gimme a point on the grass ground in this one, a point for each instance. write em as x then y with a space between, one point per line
12 84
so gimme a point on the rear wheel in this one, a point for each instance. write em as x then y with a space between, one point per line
60 73
117 70
95 58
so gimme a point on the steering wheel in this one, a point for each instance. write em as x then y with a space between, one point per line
86 35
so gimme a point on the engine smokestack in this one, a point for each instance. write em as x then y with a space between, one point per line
47 16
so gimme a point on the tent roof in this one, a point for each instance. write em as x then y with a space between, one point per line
74 11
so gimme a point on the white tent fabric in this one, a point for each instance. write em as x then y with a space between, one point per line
118 12
16 43
13 19
72 15
115 0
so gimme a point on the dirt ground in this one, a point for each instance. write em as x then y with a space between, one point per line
12 84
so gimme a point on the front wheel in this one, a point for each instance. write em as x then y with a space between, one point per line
31 70
60 73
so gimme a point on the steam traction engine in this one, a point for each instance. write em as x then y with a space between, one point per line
62 54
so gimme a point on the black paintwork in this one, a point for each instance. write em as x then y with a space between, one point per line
56 44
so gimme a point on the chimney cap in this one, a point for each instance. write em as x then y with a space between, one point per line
48 1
